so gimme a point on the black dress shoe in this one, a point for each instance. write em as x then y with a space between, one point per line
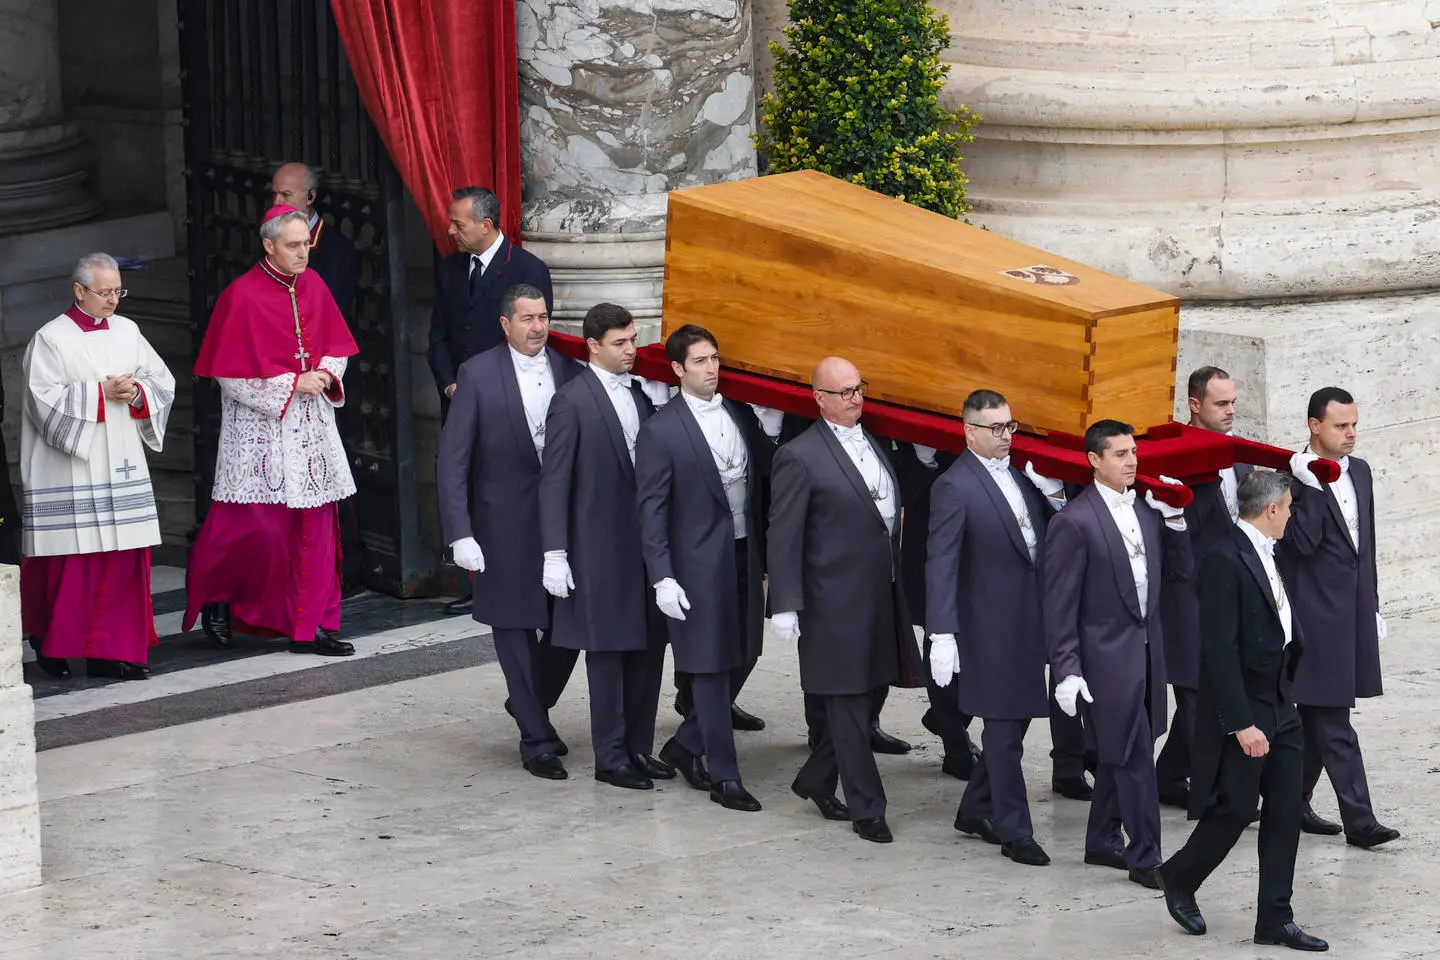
1290 936
961 767
830 806
57 668
653 768
1073 788
741 720
116 669
1182 906
1372 836
1312 822
546 766
1148 878
456 607
1026 851
1175 797
1106 858
984 829
874 829
325 645
691 767
215 621
882 742
625 776
683 707
732 796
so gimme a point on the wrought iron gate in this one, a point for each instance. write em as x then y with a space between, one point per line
266 82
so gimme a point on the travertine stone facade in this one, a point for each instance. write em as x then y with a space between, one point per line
19 800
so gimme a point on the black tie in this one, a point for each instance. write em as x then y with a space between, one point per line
477 270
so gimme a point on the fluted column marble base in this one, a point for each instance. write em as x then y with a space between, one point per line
591 268
19 797
42 178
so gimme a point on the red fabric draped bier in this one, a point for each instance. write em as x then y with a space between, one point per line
440 80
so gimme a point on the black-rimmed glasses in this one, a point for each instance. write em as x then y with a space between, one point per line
996 429
847 393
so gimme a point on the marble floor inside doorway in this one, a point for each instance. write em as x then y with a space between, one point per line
394 821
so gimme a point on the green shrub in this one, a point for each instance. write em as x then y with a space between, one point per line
857 97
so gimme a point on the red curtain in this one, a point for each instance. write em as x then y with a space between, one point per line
441 82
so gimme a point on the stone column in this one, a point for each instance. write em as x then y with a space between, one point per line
44 161
623 101
1275 163
19 799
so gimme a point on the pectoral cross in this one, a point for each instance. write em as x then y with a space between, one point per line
127 469
302 354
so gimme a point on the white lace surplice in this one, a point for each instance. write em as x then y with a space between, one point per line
277 446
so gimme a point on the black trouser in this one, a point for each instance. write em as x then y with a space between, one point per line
1332 745
1067 741
843 753
944 714
997 787
683 698
535 676
624 693
815 710
707 730
1242 781
1172 767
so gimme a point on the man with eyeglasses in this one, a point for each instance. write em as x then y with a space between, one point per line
97 395
986 549
1106 555
834 564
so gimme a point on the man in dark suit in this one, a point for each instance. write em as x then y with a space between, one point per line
1208 519
1106 555
1328 556
1248 742
834 564
488 475
590 531
703 539
469 284
986 544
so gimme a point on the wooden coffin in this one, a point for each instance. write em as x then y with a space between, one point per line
788 269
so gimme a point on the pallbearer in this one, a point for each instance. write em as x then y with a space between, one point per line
266 557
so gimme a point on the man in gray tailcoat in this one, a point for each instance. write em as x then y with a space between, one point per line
593 566
490 453
1106 555
985 552
833 547
1328 558
702 535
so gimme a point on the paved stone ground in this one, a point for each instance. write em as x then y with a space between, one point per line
395 822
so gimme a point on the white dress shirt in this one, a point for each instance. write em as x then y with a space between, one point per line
537 387
999 471
483 259
617 388
1122 508
1266 548
872 471
722 435
1349 502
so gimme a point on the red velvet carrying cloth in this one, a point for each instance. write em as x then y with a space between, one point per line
1175 450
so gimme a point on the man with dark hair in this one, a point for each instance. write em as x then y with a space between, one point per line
1249 741
469 284
1106 555
593 566
702 535
488 476
986 543
1328 556
1208 520
833 550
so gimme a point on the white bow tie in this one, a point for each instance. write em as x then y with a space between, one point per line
706 408
532 364
1267 547
1002 465
849 434
1344 465
1127 499
614 381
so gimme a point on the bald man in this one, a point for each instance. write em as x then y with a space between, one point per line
332 254
834 560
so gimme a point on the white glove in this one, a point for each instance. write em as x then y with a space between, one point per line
468 555
659 393
1048 486
556 576
1300 469
1067 690
1166 511
670 598
770 419
925 455
944 658
786 626
1381 630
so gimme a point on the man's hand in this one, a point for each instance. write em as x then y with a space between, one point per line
556 576
1068 689
926 455
1300 469
786 626
121 388
450 391
770 420
670 598
1048 486
1381 631
312 383
944 658
468 555
1253 742
1164 509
